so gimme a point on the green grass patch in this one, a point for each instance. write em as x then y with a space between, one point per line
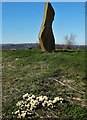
59 73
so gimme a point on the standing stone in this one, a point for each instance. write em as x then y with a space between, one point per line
46 37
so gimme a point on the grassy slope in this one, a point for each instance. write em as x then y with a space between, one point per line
60 73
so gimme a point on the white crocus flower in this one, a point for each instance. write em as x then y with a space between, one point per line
29 99
32 106
23 114
19 103
45 97
26 95
35 102
19 116
44 104
61 99
49 103
33 96
41 98
56 99
17 112
27 105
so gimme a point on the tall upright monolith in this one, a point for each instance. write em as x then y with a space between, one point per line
46 37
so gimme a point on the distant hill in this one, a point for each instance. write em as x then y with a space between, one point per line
18 46
36 45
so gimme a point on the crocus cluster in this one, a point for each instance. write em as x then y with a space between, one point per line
29 103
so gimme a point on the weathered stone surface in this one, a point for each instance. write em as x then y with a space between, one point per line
46 37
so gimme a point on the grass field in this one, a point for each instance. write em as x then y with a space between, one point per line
60 73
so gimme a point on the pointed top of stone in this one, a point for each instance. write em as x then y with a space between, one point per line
48 13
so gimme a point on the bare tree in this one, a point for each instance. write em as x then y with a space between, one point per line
69 40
